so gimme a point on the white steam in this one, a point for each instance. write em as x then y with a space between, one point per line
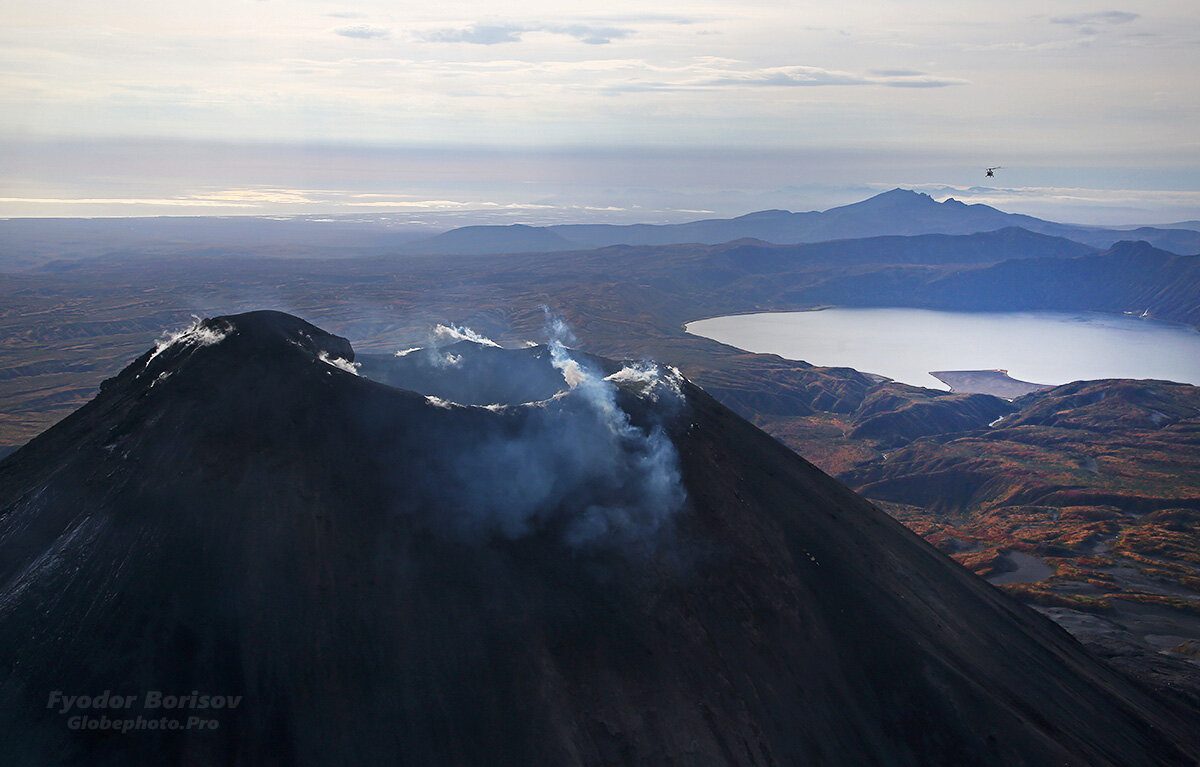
447 360
196 334
446 335
560 357
572 372
453 333
576 462
650 380
339 363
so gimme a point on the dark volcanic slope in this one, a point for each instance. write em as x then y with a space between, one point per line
237 514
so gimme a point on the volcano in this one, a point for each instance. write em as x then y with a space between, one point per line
535 558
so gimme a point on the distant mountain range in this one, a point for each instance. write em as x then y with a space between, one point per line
898 212
31 243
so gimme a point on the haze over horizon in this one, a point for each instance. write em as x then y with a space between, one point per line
548 113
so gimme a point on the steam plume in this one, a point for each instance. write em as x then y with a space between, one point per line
576 463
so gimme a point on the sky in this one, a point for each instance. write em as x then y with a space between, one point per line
544 112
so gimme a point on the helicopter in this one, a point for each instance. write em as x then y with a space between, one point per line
990 174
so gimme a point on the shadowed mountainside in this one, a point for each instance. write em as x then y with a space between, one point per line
1130 277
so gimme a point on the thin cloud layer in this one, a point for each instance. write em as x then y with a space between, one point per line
362 31
476 35
1103 17
1079 204
484 34
804 76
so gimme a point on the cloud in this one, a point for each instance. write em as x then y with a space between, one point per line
806 76
484 34
479 34
591 35
304 200
1081 31
172 201
922 82
1101 17
652 18
792 76
362 31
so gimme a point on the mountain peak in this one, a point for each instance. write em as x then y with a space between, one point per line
214 345
899 193
1135 248
267 327
258 332
892 200
760 215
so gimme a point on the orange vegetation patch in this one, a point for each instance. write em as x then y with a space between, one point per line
984 563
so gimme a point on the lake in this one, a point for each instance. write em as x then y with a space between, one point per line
905 344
